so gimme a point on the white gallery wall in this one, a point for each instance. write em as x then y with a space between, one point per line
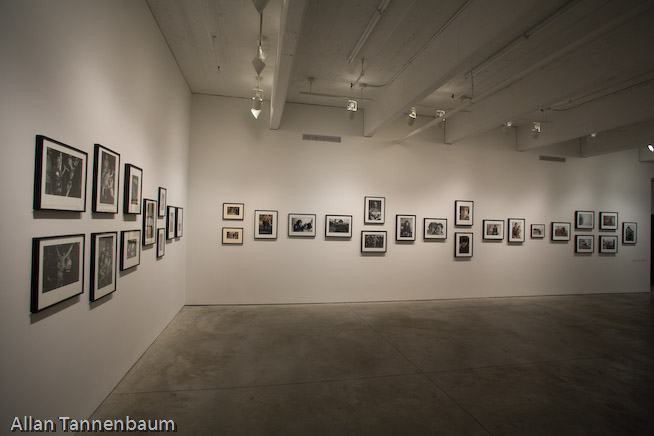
235 158
85 72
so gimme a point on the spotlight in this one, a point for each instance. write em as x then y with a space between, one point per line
412 116
352 107
592 138
535 129
440 113
506 127
257 101
651 148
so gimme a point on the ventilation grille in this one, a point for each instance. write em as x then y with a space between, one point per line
322 138
552 159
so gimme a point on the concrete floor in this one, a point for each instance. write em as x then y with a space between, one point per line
572 365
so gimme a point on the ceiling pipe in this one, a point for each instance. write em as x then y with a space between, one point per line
383 4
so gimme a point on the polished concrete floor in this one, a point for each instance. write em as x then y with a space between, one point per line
570 365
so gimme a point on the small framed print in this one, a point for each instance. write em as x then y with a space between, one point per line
516 230
493 230
608 244
133 184
163 192
60 176
584 219
629 233
130 249
233 211
405 227
232 235
171 223
463 212
435 228
462 244
373 241
338 226
104 250
374 210
608 221
537 231
560 231
161 242
57 270
106 169
302 225
265 224
149 224
179 222
584 243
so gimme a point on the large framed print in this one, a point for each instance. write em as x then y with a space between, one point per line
104 251
537 231
405 227
629 233
233 211
463 244
374 210
161 242
232 235
130 249
435 228
584 243
338 226
133 186
584 219
163 193
302 225
60 176
560 231
516 230
265 224
171 224
493 230
106 172
463 212
57 270
608 244
179 222
149 221
373 241
608 221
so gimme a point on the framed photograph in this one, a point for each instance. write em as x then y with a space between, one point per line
462 244
302 225
171 223
133 185
338 226
60 176
57 270
463 212
106 172
374 210
233 211
405 227
584 219
493 230
149 221
584 243
162 202
161 242
560 231
265 224
537 231
130 249
373 241
232 235
608 221
608 244
629 233
435 228
179 222
516 230
104 251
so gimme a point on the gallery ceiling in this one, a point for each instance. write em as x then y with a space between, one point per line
577 67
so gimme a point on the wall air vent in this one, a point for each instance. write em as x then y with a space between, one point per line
322 138
552 159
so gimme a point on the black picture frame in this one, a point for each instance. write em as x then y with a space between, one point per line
374 210
584 220
493 230
133 188
608 221
302 225
104 255
434 229
130 249
373 241
405 228
59 176
179 222
584 244
464 213
232 236
463 244
106 176
57 270
515 232
629 233
149 221
161 242
161 202
171 223
338 226
608 244
560 231
265 224
537 231
233 211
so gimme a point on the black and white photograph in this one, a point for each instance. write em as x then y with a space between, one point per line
374 210
435 228
265 224
60 176
163 192
537 231
133 186
232 235
493 230
462 244
608 244
104 249
338 226
584 219
560 231
584 243
161 242
516 230
302 225
149 221
130 249
405 227
373 241
171 222
57 270
608 221
463 212
179 222
629 233
106 172
233 211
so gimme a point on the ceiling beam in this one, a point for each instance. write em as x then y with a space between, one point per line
624 138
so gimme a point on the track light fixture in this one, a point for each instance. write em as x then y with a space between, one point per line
440 113
506 127
535 129
257 100
352 107
412 116
651 148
